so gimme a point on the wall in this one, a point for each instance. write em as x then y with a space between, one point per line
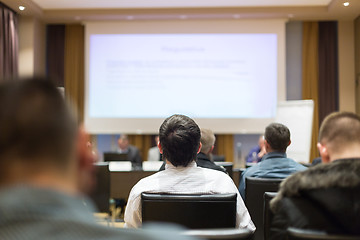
357 62
293 61
346 49
31 47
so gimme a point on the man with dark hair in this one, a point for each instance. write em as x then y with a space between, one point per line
207 141
46 164
179 143
325 197
275 163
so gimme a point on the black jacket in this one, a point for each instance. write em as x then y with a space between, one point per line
325 197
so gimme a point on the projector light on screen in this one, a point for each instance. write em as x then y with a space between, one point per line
200 75
140 72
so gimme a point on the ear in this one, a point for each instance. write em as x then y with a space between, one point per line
324 153
200 146
85 162
267 146
211 149
289 143
159 147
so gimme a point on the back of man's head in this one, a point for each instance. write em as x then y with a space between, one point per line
340 130
277 136
207 140
36 127
179 140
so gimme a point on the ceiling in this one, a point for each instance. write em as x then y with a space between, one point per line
65 11
81 4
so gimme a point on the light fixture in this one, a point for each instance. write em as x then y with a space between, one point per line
21 8
346 4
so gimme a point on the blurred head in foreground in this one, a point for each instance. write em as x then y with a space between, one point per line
339 136
40 142
179 140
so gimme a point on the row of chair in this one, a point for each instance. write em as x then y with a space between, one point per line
210 216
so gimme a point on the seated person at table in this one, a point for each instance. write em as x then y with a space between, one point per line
46 164
256 153
179 143
275 163
325 197
153 153
132 152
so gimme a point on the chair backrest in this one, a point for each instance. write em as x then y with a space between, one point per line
268 215
101 193
191 211
223 234
305 234
254 199
228 167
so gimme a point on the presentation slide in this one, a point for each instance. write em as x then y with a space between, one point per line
219 75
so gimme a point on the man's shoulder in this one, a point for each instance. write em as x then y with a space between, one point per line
252 171
133 148
208 164
338 174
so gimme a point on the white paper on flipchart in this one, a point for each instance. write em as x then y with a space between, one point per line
298 117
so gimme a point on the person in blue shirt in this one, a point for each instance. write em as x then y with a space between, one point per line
274 163
256 153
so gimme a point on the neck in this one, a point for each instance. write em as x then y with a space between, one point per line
351 151
42 177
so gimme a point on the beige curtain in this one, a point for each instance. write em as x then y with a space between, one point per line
310 76
225 146
74 67
143 142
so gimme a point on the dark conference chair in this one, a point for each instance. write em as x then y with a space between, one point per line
254 200
305 234
191 211
268 215
223 234
101 193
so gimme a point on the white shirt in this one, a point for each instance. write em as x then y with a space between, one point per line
185 180
153 154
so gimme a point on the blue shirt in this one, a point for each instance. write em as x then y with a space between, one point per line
272 165
252 152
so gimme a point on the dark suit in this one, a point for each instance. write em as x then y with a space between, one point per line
202 160
133 155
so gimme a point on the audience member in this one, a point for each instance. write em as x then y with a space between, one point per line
203 158
325 197
275 163
256 153
45 165
153 153
179 143
132 152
